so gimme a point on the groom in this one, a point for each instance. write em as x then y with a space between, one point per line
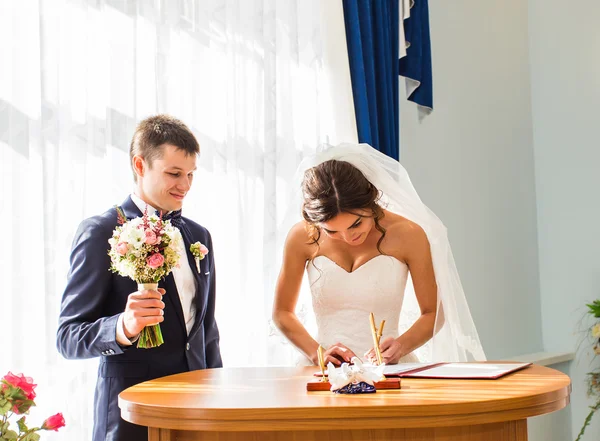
102 314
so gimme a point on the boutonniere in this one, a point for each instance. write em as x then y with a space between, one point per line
199 251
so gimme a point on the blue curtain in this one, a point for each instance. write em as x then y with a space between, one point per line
372 38
417 63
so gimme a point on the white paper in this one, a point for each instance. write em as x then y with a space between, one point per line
469 370
396 369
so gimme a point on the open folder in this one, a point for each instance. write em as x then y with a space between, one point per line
466 371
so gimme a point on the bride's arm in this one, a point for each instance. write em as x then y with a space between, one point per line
295 255
415 251
297 251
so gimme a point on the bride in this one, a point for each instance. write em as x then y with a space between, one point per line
368 244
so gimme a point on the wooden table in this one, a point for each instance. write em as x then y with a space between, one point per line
273 404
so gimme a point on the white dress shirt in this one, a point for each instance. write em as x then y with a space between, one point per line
184 281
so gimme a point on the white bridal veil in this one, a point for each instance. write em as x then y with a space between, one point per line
455 337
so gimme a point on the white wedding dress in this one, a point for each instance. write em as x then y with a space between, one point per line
342 301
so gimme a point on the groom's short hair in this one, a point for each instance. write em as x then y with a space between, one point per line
153 132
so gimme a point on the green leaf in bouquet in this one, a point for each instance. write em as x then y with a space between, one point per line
3 426
22 425
31 437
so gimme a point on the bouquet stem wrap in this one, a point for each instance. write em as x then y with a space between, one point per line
151 336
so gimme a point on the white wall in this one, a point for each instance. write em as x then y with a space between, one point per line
565 79
471 161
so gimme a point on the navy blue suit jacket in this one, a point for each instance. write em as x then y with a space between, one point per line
93 299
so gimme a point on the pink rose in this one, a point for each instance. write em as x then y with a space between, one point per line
151 238
155 260
122 248
203 249
55 422
22 382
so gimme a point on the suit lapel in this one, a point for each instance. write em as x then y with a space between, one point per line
131 211
199 278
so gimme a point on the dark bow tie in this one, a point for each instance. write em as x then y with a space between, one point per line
174 217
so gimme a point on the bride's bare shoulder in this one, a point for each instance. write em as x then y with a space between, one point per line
402 233
298 240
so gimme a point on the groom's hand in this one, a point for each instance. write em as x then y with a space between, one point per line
144 308
338 354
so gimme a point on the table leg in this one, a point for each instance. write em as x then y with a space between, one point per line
155 434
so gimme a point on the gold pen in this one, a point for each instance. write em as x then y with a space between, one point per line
375 339
380 332
321 362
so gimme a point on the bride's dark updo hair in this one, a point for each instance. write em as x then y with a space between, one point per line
335 187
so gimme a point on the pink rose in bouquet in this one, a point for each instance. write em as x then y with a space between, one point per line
122 248
156 260
151 237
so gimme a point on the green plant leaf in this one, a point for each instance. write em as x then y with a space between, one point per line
22 425
588 419
10 434
5 407
594 308
25 405
31 437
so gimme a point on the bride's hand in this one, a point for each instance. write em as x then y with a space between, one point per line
337 354
391 351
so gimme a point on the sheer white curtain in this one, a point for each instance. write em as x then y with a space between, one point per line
261 84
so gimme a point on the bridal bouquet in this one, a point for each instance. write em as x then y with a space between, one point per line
593 377
145 249
17 393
